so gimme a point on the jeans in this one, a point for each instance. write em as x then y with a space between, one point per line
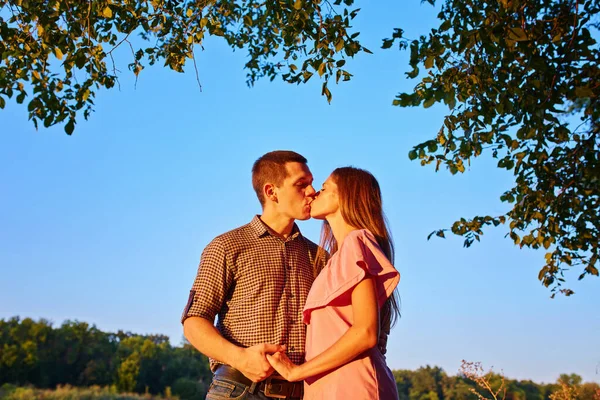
224 389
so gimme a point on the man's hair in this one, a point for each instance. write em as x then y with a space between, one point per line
270 168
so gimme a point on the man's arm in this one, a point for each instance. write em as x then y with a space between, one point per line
250 361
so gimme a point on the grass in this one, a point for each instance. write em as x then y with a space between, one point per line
10 392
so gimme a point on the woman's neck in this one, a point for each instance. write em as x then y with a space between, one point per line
339 228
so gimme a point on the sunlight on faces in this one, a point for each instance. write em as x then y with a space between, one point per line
327 201
296 192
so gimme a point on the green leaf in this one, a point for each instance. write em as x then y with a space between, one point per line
2 102
429 102
70 127
32 104
450 100
412 155
387 43
298 4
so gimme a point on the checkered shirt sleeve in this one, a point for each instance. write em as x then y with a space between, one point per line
213 282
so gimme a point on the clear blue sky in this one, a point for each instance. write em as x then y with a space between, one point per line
107 226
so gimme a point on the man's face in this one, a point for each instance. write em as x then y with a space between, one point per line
296 192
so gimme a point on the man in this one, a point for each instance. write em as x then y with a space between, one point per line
256 279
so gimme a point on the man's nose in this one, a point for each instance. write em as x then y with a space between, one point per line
310 191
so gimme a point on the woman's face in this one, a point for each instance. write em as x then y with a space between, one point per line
326 201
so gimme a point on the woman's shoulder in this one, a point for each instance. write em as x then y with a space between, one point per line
358 237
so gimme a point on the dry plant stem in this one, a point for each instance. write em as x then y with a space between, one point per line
474 372
566 392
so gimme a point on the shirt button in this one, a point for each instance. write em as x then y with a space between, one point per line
289 267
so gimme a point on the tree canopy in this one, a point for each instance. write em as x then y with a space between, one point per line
520 79
59 53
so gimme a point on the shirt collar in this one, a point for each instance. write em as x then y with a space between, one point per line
261 229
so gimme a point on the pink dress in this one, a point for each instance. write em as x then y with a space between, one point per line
328 315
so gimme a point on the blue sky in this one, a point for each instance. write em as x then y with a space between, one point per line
107 226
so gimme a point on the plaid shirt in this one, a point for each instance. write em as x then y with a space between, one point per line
257 284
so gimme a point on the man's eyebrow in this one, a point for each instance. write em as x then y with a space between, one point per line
303 178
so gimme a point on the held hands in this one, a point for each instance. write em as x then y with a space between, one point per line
284 366
252 361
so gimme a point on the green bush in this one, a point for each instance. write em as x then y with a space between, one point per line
189 389
11 392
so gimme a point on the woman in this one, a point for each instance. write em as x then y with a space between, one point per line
351 304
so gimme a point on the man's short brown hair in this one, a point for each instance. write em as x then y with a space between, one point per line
270 168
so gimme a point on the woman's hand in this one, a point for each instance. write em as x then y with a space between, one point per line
284 366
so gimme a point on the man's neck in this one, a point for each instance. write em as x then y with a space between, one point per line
278 224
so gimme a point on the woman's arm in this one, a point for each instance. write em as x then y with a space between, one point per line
361 336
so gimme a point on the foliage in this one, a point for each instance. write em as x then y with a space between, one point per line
521 80
61 52
472 383
76 354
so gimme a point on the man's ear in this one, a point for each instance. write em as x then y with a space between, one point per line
270 192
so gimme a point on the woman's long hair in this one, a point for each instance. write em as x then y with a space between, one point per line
361 206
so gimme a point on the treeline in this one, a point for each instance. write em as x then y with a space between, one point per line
432 383
77 354
35 354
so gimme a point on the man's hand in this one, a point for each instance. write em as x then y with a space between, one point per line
252 361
